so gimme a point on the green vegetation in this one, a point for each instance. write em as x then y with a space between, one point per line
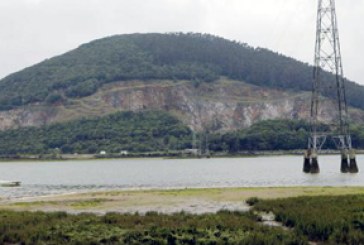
89 203
154 132
265 135
135 132
273 135
335 220
321 219
193 57
61 228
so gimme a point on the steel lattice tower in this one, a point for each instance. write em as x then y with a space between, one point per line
328 58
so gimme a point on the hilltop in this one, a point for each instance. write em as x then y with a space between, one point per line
207 82
176 56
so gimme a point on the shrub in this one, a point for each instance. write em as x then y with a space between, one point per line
252 201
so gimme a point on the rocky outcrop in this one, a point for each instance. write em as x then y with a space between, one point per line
219 106
27 116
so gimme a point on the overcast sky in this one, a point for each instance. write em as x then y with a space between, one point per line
33 30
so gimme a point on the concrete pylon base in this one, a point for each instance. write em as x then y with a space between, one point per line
344 165
353 167
315 169
306 165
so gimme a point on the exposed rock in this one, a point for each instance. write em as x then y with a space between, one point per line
220 106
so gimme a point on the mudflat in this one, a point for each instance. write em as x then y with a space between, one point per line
196 201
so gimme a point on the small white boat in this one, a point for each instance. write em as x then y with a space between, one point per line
9 183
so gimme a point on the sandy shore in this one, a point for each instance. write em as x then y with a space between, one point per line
166 201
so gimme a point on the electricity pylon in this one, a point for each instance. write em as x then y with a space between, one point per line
328 58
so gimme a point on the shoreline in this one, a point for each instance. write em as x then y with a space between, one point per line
90 157
168 201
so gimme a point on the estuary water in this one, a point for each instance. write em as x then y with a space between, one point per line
59 177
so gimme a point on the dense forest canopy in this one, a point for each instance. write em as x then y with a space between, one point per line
135 132
173 56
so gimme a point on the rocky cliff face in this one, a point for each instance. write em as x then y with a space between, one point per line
220 106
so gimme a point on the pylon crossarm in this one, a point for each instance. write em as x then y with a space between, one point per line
340 142
317 141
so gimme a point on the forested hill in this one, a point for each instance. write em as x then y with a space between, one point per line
195 57
155 132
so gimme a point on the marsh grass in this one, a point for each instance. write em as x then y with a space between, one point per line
324 219
331 219
152 228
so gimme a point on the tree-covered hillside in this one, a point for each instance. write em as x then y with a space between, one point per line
158 56
154 131
271 135
135 132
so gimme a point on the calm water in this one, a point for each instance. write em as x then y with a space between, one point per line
47 178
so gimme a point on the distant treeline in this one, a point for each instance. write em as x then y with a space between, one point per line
271 135
194 57
126 131
155 131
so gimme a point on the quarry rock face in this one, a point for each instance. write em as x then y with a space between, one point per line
27 117
218 106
